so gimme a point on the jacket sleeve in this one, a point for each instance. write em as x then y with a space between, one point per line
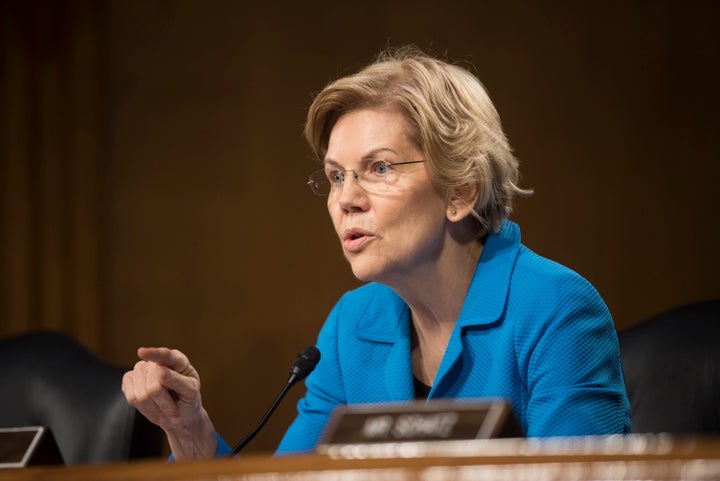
568 351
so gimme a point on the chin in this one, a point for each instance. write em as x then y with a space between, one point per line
363 272
362 276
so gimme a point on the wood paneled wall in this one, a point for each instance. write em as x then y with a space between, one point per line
209 241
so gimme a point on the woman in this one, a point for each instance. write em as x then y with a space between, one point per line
420 179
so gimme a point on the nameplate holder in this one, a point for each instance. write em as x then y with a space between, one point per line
28 446
431 421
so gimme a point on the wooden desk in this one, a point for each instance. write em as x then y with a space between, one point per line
611 458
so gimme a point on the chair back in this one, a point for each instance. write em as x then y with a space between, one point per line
672 370
50 379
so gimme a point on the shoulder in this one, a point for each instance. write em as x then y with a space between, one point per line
507 252
542 295
511 278
372 312
547 282
556 310
363 300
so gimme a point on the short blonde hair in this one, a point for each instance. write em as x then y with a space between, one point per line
452 121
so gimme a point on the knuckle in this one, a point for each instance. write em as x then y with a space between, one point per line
194 384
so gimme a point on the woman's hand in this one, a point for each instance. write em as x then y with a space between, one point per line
165 388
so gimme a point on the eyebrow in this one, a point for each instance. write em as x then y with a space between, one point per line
369 156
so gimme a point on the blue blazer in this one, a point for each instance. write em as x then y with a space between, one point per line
530 331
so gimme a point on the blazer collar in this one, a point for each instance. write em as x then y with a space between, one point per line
488 292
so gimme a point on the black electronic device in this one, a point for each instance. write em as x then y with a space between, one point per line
28 446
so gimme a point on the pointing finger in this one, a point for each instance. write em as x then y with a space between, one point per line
171 358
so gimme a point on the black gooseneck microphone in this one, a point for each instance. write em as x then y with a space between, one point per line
304 364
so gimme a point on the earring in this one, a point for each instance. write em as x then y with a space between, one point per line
453 212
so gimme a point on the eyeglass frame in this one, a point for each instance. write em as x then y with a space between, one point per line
313 184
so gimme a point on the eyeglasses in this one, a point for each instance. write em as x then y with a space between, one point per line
377 177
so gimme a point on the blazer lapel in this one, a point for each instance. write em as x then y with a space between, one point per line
387 321
398 371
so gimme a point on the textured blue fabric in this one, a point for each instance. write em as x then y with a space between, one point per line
531 331
223 449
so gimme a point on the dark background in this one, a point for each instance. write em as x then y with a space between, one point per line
153 166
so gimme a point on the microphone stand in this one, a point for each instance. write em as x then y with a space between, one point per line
303 365
249 436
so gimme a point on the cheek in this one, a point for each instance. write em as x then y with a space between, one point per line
426 227
424 220
334 212
416 222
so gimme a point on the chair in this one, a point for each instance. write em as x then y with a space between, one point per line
672 370
50 379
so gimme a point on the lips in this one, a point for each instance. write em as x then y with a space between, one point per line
355 239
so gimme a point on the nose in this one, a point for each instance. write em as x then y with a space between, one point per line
351 196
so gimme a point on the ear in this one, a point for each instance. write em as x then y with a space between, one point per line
461 202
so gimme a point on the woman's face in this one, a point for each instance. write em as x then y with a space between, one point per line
396 227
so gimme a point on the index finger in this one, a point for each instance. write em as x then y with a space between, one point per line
171 358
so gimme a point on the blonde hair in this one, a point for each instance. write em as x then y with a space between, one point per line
452 121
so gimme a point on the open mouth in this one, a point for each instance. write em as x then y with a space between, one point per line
355 239
354 234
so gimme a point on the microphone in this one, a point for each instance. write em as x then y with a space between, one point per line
304 364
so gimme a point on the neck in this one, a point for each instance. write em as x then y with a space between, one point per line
436 293
435 302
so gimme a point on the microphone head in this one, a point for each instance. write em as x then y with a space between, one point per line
304 364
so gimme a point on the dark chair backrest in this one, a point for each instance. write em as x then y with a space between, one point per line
49 379
672 370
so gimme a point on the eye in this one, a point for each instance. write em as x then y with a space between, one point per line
381 167
336 176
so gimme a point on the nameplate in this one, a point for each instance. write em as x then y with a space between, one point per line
28 446
434 420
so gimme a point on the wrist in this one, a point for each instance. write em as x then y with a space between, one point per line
194 440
